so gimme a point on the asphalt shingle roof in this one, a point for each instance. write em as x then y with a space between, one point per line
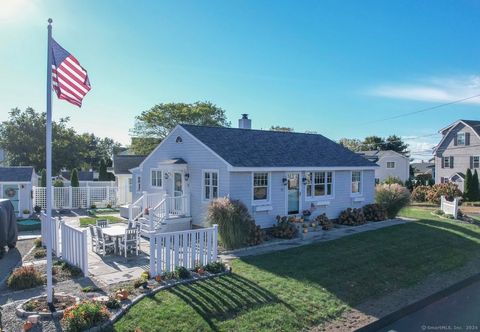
265 148
122 163
82 175
16 174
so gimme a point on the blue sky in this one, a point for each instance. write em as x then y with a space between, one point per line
328 66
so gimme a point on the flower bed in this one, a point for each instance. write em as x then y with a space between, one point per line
38 306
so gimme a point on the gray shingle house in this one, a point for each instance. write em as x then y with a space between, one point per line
457 151
122 164
273 173
391 164
16 184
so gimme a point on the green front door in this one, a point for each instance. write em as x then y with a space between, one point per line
10 191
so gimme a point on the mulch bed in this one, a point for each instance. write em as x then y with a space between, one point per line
60 302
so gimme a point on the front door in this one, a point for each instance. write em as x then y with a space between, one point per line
178 191
10 191
293 193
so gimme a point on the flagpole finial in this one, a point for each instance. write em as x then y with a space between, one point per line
50 21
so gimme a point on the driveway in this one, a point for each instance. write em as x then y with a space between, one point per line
459 311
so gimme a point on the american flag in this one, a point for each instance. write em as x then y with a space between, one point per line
69 79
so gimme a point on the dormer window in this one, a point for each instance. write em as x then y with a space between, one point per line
178 140
460 138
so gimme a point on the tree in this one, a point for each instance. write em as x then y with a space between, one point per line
74 178
352 144
144 145
475 188
43 179
284 129
395 143
468 189
158 121
102 172
373 143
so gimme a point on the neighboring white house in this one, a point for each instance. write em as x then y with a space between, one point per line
272 173
392 164
123 177
16 185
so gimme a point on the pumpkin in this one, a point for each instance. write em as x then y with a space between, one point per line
158 278
201 270
27 326
122 294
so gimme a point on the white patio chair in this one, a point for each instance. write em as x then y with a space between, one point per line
102 223
130 241
104 242
94 236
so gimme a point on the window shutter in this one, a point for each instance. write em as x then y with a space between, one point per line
467 138
471 162
443 162
455 141
451 162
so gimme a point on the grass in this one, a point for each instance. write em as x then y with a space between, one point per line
85 221
303 287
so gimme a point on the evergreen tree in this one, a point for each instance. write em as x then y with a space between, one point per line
74 178
102 172
43 179
468 189
475 188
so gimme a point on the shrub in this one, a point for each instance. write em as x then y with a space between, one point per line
392 180
37 242
139 282
374 212
284 229
40 254
323 221
233 220
182 273
439 212
475 186
89 289
351 217
25 277
215 267
84 315
393 197
449 190
112 303
74 271
58 183
420 193
256 235
74 178
37 209
468 191
26 211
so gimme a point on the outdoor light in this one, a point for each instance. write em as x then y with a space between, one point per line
284 181
187 176
166 176
304 180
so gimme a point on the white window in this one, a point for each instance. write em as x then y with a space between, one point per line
460 138
210 185
446 162
356 182
319 184
476 161
139 183
390 164
260 186
156 176
130 185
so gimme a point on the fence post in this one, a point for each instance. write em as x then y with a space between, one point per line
88 197
70 197
215 242
153 272
85 254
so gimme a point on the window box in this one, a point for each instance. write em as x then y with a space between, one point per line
262 208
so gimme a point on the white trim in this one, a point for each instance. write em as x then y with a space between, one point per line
300 169
20 182
360 193
205 200
300 182
323 197
161 177
391 162
269 190
464 138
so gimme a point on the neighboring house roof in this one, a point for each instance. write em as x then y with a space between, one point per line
16 174
375 155
82 175
176 161
123 163
265 148
474 124
423 167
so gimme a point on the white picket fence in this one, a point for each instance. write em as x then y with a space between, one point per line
74 247
185 248
76 197
449 207
68 243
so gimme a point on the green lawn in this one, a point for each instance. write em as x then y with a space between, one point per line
299 288
85 221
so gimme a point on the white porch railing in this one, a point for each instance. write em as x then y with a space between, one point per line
144 202
449 207
74 247
168 207
54 225
185 248
76 197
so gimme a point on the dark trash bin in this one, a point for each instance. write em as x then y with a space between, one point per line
8 226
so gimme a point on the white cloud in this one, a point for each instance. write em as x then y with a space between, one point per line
17 10
421 148
434 89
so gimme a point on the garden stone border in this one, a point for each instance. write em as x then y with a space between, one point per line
22 313
124 309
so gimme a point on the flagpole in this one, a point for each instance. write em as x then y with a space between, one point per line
48 148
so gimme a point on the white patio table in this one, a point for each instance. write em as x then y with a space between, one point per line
115 231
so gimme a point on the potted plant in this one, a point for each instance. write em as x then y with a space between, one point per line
25 213
306 215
